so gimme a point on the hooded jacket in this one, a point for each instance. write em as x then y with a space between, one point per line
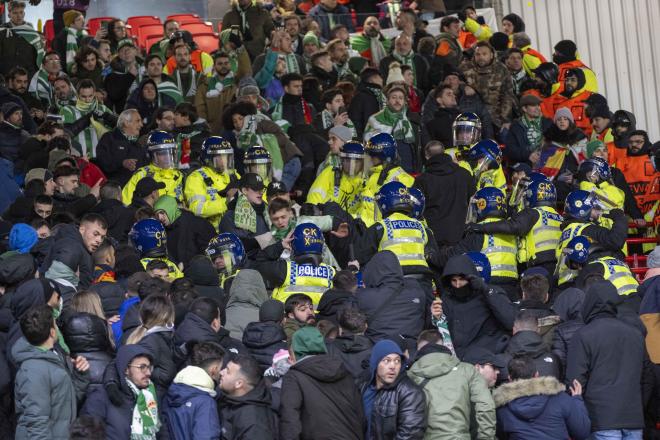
69 249
194 328
87 336
44 392
491 313
407 302
113 148
396 410
447 188
332 302
364 104
147 109
120 218
456 394
609 368
530 343
249 417
159 342
353 350
11 190
568 306
319 401
539 408
117 417
263 340
248 293
205 277
189 408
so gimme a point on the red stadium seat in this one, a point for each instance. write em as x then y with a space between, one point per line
147 31
207 42
198 28
185 18
143 20
49 32
93 24
150 41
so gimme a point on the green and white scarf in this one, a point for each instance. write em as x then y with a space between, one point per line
243 13
291 62
279 234
88 137
218 84
170 89
73 36
27 32
407 60
328 121
144 423
41 88
533 133
191 89
248 137
378 93
245 217
388 121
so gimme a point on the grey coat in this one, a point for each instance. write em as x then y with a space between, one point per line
247 294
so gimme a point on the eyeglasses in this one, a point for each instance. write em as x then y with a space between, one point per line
143 368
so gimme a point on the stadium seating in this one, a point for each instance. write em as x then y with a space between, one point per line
143 20
185 18
49 32
198 28
146 31
93 24
207 42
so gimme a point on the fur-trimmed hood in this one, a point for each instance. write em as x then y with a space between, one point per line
537 387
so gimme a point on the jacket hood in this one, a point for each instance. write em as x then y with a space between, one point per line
527 398
322 367
526 343
248 287
258 396
458 265
441 165
383 270
433 365
169 205
599 301
189 382
353 343
263 334
568 305
30 293
332 300
126 354
16 268
22 237
23 351
201 272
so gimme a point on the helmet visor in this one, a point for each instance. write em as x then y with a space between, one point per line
352 166
223 162
465 135
472 212
163 158
264 170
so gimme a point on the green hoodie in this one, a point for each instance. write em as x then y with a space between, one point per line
169 205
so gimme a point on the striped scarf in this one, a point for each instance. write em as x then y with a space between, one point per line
41 88
73 36
407 60
170 89
388 121
191 89
248 137
328 121
219 84
27 32
88 137
291 62
278 110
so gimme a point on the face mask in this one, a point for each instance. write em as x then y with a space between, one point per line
461 292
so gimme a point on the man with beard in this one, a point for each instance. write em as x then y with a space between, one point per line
565 56
339 57
292 26
185 77
573 96
164 83
403 53
122 72
371 44
18 80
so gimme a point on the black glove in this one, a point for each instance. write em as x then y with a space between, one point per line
114 393
472 228
477 283
98 114
236 39
614 213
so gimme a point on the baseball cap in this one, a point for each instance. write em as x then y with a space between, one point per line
529 99
125 42
252 181
520 166
146 186
483 356
38 174
276 188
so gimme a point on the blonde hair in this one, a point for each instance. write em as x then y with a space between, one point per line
156 310
87 301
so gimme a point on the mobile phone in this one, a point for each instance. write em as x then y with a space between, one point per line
104 25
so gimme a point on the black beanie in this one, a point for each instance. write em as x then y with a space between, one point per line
271 310
567 48
599 111
500 41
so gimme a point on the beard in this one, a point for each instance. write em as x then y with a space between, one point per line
223 72
372 32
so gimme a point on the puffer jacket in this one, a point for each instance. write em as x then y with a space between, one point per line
249 416
399 410
87 336
263 340
539 408
248 293
456 395
69 249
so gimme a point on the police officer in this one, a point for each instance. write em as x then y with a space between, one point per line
485 158
305 273
582 212
466 131
257 160
148 237
577 254
382 168
161 147
227 253
538 226
341 184
594 175
208 188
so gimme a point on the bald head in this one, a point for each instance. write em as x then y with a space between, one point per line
433 148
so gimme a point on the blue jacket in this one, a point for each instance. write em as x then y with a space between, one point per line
341 16
539 408
10 189
190 413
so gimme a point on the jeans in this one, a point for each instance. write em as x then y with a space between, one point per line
617 434
290 172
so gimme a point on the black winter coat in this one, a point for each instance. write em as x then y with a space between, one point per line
481 319
73 204
249 417
117 83
120 219
406 301
69 248
160 344
188 236
364 104
517 147
320 401
609 369
440 127
11 139
87 336
332 302
568 306
447 188
529 343
353 350
113 148
399 410
263 340
111 292
194 328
